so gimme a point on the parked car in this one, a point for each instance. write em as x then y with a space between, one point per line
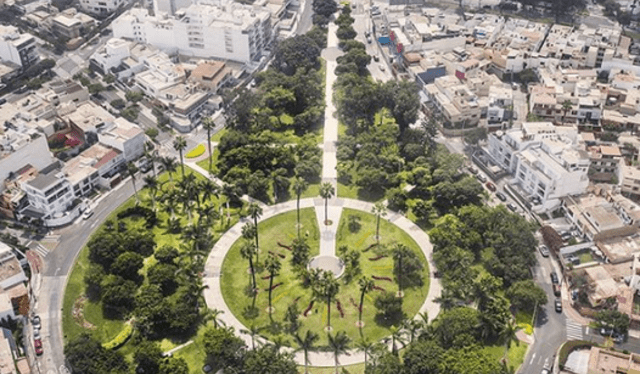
618 338
369 39
491 187
473 170
544 251
37 344
87 213
573 260
558 305
557 291
36 322
381 66
554 278
36 334
512 207
606 331
501 196
481 178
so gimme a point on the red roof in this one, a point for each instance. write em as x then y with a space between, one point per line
108 157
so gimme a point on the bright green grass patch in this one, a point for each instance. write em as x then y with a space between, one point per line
349 192
515 355
205 163
523 320
313 190
196 152
217 136
107 329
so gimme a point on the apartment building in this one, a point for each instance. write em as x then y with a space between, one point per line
605 163
455 101
123 136
17 48
101 7
71 24
222 29
546 161
50 193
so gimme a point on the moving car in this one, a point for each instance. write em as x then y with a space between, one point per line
87 213
544 251
37 344
554 278
501 196
558 305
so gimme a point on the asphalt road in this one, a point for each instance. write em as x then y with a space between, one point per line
305 22
58 264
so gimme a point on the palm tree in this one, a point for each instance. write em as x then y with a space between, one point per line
253 331
247 251
326 192
278 342
399 254
299 185
213 315
339 344
180 144
306 344
151 155
170 201
273 265
169 164
152 184
132 170
509 336
397 336
229 191
412 327
380 211
329 288
366 285
365 345
209 125
566 106
447 299
209 189
255 212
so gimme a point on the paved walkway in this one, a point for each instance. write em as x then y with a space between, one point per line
329 159
213 267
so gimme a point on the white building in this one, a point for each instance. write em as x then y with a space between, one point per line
101 7
49 193
546 161
124 136
17 48
19 149
225 30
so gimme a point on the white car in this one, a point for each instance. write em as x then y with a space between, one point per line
87 213
381 66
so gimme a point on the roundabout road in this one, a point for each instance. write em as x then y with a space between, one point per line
213 267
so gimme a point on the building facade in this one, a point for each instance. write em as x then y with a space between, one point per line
17 48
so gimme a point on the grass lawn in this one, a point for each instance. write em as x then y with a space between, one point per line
107 329
217 136
205 163
523 320
235 278
515 355
354 192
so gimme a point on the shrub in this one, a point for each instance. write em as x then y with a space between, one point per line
571 346
196 152
121 338
152 132
141 211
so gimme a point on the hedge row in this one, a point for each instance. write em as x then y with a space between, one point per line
121 338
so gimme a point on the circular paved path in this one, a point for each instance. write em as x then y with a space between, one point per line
213 266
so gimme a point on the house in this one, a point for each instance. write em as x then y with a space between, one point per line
123 136
17 48
71 24
610 361
13 292
210 75
605 163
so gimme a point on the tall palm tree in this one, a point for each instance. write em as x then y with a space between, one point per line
189 187
330 288
566 106
170 201
152 185
397 336
229 191
366 285
209 125
247 251
306 344
412 328
273 265
213 315
255 212
365 345
380 211
400 252
447 299
169 164
509 336
280 182
252 331
180 144
326 192
209 189
299 185
151 155
339 344
132 170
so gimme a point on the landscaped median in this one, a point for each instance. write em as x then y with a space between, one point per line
196 152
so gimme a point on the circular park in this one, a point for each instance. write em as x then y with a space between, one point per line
376 277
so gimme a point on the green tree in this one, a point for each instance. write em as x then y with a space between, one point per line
566 106
223 347
147 357
132 170
255 212
247 251
267 360
526 295
366 285
326 192
306 344
296 53
379 210
169 164
127 265
299 186
86 355
457 327
613 318
299 252
423 356
389 308
180 144
339 344
209 125
152 185
273 265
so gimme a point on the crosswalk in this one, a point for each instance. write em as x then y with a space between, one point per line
574 330
41 250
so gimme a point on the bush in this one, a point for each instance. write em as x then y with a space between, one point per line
140 211
118 103
152 132
121 338
196 152
571 346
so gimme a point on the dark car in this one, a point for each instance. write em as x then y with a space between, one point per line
501 196
37 344
554 278
618 338
558 305
512 207
557 290
606 331
491 187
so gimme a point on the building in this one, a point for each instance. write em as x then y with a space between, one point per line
71 24
124 137
610 361
100 7
546 162
169 6
50 194
13 292
18 149
605 163
7 346
222 29
210 75
455 101
86 119
17 48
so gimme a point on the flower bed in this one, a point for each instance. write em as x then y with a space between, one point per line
306 311
377 258
340 309
284 246
121 338
382 278
196 152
